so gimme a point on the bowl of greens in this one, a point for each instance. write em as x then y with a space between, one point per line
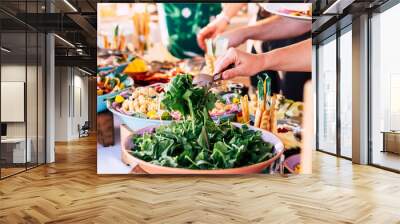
197 144
230 148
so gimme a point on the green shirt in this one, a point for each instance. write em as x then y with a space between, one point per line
184 21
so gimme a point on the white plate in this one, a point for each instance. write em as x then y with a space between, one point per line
276 8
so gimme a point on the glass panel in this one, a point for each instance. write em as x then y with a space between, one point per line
327 96
32 88
41 99
13 86
346 94
385 89
22 88
31 99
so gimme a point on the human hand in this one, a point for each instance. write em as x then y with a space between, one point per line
214 28
235 37
245 64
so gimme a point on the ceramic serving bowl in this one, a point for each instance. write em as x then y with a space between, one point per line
115 69
137 123
291 162
146 167
101 101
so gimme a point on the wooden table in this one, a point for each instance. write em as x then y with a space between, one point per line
105 128
391 141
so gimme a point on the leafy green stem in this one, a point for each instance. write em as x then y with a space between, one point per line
186 96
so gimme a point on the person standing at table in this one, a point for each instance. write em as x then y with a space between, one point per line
295 57
275 32
180 22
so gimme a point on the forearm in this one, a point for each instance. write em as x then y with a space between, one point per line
295 58
231 9
275 28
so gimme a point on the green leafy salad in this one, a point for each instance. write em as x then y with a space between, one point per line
197 142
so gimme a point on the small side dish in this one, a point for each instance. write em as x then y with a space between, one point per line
143 102
112 83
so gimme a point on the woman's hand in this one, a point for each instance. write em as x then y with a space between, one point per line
214 28
245 64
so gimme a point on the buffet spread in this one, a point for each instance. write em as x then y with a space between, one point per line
177 126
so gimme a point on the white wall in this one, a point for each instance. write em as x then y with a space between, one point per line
71 94
12 73
34 125
80 98
61 103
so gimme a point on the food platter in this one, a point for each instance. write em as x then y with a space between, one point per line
171 124
140 166
134 116
300 11
109 86
141 110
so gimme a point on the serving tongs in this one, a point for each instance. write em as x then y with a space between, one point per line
210 81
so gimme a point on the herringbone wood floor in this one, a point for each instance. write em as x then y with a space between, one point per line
70 191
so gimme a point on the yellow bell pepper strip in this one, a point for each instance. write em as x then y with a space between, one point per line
152 114
119 99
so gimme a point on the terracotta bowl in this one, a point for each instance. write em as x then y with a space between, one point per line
140 166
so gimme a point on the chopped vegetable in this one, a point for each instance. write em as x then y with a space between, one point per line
136 66
166 116
112 83
119 99
152 114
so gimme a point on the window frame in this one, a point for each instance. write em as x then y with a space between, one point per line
333 37
379 10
